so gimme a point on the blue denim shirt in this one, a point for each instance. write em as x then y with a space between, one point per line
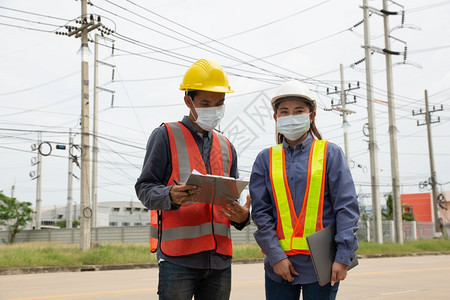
152 191
340 206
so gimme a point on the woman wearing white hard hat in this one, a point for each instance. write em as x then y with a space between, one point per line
298 187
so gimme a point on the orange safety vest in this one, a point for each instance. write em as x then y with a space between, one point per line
292 230
195 227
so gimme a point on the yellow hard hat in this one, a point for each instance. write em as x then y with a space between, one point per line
206 75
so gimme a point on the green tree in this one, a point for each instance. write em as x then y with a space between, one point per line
388 212
14 215
62 223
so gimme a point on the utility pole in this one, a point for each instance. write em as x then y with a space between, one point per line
12 190
433 181
38 176
95 138
344 113
342 107
95 131
373 147
85 207
69 211
397 205
87 24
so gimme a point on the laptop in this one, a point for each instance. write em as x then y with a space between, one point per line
323 250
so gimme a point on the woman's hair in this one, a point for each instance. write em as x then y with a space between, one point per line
312 129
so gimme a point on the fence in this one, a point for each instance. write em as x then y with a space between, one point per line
411 230
127 234
141 234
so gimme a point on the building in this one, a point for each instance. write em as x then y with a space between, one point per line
110 213
421 205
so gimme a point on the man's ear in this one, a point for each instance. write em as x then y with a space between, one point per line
188 101
275 116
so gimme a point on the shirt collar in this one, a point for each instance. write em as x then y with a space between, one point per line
187 122
305 144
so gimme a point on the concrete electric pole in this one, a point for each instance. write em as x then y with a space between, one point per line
38 176
373 147
433 180
95 130
397 205
87 23
69 218
85 207
342 108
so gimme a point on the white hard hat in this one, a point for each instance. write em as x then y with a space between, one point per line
293 88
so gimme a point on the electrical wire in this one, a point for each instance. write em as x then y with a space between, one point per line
222 53
421 8
40 85
28 28
29 21
35 14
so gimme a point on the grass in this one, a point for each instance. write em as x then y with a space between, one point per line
50 254
408 247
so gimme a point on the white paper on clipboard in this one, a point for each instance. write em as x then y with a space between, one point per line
217 190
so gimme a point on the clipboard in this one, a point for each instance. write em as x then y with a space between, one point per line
322 247
217 190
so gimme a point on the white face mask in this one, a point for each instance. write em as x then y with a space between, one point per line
293 127
209 117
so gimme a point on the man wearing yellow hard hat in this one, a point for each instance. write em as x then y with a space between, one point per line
192 240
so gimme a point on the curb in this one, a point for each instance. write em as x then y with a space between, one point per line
92 268
86 268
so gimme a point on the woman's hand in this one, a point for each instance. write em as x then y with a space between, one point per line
338 272
285 269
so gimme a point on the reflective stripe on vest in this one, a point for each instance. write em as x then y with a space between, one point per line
196 227
292 230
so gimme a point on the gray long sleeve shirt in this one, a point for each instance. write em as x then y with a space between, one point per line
152 190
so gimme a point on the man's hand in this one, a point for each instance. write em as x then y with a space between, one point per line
236 212
182 193
338 273
285 269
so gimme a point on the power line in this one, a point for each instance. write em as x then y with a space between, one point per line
221 53
28 28
40 85
29 21
35 14
421 8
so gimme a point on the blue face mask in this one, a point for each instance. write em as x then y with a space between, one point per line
293 127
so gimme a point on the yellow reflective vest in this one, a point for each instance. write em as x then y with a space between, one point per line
293 228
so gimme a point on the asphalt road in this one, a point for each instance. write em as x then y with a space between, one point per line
412 277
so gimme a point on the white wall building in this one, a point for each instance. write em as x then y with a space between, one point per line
110 213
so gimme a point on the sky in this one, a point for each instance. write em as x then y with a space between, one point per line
260 45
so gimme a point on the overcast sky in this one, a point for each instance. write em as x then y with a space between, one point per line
259 43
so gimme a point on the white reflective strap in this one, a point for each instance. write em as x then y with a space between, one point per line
191 232
182 151
154 232
225 154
